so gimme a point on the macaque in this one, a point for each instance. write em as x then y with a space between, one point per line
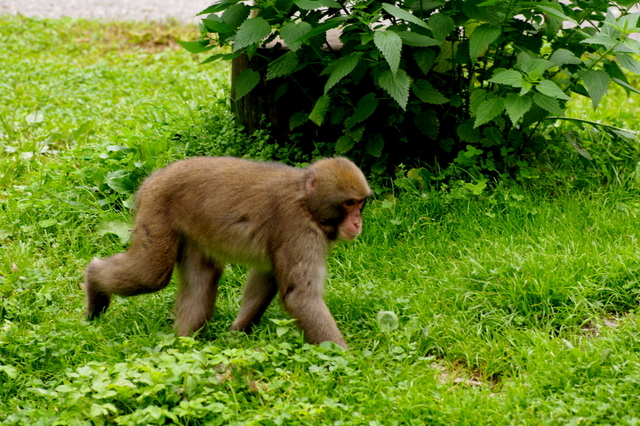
202 212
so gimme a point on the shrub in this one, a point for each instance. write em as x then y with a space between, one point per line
473 82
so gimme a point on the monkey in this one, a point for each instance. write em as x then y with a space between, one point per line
200 213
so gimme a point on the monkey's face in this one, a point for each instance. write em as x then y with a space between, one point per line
351 225
336 191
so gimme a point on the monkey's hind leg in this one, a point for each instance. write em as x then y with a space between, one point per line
199 276
97 300
258 293
145 268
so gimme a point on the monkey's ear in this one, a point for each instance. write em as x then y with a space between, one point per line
311 181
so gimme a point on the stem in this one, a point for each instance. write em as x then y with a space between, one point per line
593 123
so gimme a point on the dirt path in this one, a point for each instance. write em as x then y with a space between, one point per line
122 10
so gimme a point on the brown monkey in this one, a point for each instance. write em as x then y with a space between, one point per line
202 212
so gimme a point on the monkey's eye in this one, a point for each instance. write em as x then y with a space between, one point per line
350 203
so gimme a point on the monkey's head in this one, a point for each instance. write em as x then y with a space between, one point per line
336 194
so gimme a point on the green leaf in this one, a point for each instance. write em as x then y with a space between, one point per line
626 85
427 93
338 114
411 38
556 12
291 32
549 88
312 5
47 223
375 145
488 110
280 91
509 77
217 25
403 14
251 31
10 371
425 5
344 144
480 14
236 14
574 139
563 56
119 181
602 39
629 45
481 38
366 106
526 88
442 25
320 110
390 45
535 115
467 133
340 68
548 104
629 63
629 23
427 122
597 84
425 59
324 27
551 27
245 82
356 134
534 68
222 56
614 71
517 106
298 119
196 46
445 60
396 85
219 7
282 66
629 135
477 97
580 89
121 229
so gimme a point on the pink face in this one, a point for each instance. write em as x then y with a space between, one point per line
351 226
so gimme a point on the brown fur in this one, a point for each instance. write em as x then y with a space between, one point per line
202 212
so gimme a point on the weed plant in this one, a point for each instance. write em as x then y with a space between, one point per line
515 304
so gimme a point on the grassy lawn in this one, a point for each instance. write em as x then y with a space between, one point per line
515 306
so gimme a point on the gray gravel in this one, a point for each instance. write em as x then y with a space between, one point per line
112 10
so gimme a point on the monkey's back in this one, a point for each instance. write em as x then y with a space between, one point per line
215 200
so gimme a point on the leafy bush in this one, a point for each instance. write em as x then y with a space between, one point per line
471 82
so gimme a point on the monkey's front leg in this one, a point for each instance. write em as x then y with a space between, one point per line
301 289
313 316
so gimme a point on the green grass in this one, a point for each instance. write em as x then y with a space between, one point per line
515 306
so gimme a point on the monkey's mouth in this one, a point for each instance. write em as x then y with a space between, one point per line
346 235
